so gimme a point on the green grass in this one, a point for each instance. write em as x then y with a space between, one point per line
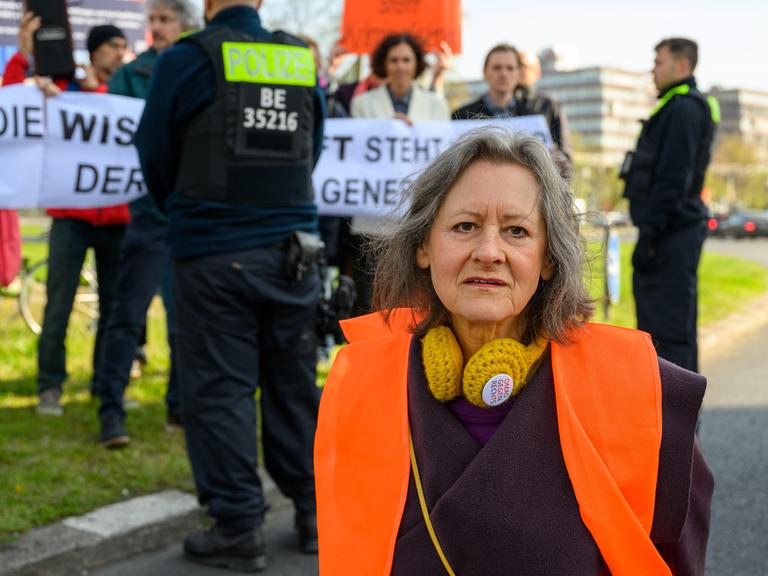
54 467
38 248
51 468
725 285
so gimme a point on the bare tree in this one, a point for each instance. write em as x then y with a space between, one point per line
320 19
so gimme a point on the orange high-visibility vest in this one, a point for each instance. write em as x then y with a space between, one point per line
608 397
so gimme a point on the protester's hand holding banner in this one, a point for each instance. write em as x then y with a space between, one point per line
76 151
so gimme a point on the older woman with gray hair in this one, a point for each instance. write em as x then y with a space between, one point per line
478 423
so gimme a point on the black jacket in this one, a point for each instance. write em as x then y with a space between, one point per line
527 104
668 158
183 84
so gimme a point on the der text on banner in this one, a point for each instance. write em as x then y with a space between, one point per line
107 169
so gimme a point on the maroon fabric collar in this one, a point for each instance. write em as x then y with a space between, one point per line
520 471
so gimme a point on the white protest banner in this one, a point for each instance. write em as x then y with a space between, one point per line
365 162
71 151
21 146
90 160
76 151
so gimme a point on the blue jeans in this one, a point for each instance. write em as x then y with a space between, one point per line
241 323
68 243
145 266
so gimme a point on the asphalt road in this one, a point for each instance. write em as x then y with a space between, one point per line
283 556
752 249
734 438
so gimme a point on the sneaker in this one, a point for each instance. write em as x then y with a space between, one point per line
135 369
242 551
50 403
141 356
306 526
113 434
175 421
131 404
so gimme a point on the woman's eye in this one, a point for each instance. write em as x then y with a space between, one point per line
516 231
464 227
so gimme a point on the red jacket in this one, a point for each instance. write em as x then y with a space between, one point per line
15 73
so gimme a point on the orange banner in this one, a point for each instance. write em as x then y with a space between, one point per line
366 22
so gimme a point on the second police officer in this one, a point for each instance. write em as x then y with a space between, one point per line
664 176
228 140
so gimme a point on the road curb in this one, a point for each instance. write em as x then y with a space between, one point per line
78 544
105 535
722 336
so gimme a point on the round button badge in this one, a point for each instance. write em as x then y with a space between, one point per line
498 389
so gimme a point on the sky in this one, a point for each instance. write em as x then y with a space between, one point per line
733 44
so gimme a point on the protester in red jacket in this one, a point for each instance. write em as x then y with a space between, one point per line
73 231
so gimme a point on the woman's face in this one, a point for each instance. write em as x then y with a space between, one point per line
487 249
400 64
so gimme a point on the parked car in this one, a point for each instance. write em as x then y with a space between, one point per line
740 225
714 221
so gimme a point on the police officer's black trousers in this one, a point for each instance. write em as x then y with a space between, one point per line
241 323
666 294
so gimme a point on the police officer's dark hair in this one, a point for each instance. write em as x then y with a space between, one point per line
502 48
379 56
681 48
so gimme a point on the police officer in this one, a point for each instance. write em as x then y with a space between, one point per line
230 134
664 176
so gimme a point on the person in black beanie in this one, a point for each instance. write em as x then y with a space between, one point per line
107 45
73 230
100 34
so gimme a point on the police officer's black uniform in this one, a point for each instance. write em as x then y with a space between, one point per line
664 176
228 140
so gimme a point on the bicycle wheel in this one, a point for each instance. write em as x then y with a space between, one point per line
33 296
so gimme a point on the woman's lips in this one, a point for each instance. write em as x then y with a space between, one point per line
491 282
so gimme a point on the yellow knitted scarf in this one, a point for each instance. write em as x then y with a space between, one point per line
449 378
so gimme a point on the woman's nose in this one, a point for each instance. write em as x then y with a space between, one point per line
488 250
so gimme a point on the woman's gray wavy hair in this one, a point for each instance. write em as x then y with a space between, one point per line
558 305
186 11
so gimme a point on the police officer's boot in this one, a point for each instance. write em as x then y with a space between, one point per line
306 526
238 550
